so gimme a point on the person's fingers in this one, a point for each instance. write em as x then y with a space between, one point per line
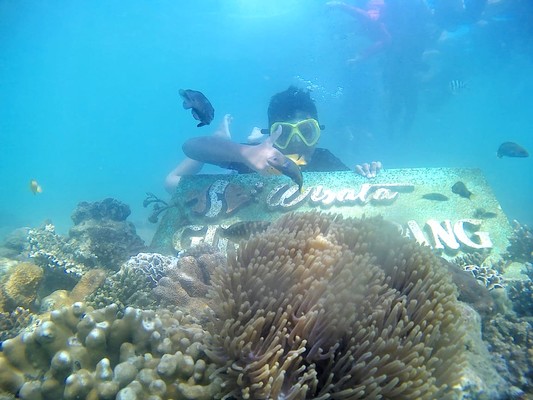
366 169
373 169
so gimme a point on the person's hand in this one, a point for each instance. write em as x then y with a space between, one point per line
369 170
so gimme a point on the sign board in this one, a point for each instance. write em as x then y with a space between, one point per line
420 201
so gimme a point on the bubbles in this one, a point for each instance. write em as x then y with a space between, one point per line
320 92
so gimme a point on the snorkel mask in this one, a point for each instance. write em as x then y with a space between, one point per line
306 131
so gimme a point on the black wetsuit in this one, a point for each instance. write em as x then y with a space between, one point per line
323 160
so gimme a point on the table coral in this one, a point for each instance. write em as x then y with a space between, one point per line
99 354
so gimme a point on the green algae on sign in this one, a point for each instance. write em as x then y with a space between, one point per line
420 201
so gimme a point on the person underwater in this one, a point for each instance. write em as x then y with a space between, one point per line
290 142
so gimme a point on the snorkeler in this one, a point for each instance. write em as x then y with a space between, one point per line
371 24
294 133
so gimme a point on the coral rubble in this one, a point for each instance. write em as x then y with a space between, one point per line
323 307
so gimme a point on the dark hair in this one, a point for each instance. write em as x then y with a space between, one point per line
286 105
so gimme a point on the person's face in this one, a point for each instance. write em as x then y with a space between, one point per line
307 127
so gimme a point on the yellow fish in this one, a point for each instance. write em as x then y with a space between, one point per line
298 159
35 187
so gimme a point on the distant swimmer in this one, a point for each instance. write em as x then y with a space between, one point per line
202 110
511 149
35 187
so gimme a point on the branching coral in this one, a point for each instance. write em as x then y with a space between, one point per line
322 307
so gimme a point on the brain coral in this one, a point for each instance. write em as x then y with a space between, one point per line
20 287
320 307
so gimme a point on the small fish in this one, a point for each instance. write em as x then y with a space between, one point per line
298 159
35 187
435 197
511 149
483 214
202 110
457 86
244 229
286 166
461 189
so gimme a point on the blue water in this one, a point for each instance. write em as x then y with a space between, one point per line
89 103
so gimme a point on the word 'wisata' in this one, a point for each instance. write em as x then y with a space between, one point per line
286 196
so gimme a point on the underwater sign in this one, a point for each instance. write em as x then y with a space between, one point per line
448 209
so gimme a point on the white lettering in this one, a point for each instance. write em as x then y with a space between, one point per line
459 230
445 234
283 196
417 233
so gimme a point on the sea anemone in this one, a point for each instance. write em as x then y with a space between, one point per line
321 307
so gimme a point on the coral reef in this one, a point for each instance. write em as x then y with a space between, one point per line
107 209
486 275
101 238
510 341
19 287
470 291
158 206
87 285
15 243
153 265
521 293
483 267
56 254
12 323
80 353
130 286
521 243
322 307
151 280
102 230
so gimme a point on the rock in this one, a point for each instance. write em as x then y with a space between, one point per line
109 208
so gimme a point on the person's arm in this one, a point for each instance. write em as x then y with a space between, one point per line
191 167
186 167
